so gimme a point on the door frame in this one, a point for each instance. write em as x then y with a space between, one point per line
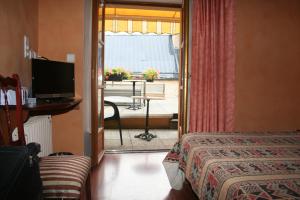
97 133
183 75
184 94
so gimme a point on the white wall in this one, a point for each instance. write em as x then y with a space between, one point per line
87 76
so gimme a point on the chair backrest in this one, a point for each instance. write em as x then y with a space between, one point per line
116 114
11 115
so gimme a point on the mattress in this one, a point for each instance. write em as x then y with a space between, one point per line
237 166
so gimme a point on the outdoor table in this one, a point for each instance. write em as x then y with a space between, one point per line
133 106
146 135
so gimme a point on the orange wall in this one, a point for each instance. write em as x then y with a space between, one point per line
17 18
268 65
61 32
267 68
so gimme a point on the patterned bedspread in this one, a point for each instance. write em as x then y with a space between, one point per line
237 166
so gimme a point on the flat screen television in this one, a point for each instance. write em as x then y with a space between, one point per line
52 79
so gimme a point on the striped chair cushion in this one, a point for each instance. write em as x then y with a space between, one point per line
64 176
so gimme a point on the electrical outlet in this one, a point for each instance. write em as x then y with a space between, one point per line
71 57
26 47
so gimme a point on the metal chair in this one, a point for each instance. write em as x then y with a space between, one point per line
114 117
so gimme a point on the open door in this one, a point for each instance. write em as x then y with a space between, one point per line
97 81
184 73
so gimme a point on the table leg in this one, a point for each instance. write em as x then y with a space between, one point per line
146 136
147 118
133 106
133 93
144 93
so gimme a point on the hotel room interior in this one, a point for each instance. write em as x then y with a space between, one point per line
239 105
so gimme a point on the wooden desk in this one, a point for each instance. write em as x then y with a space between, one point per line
51 108
44 108
40 108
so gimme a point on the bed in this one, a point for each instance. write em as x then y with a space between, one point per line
237 166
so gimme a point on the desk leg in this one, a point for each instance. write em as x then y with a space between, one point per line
146 136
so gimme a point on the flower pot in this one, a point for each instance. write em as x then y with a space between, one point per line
115 77
150 80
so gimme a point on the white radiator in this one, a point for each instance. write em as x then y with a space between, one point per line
39 129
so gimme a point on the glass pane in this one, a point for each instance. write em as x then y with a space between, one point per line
100 67
100 19
99 87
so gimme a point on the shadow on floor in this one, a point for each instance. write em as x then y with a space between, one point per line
165 139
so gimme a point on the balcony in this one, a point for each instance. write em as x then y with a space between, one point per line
161 114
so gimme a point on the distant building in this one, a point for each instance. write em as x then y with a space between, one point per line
136 52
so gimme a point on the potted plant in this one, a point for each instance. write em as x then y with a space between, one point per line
116 74
107 73
150 74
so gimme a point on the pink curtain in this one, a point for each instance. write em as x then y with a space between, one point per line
212 66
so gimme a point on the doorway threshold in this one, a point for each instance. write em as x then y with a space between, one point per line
136 151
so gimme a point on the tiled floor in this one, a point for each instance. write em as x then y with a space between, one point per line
166 107
156 108
165 139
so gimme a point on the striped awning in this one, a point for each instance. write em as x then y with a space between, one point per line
142 14
142 20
